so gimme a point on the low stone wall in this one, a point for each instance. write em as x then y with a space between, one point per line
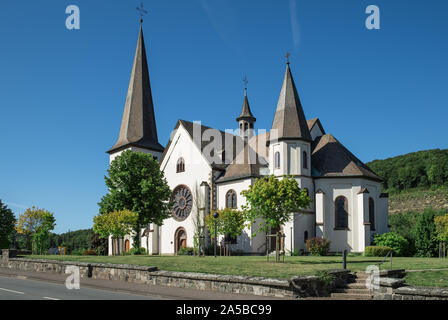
301 286
392 286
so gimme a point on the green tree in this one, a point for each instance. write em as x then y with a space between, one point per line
7 222
441 223
230 222
396 242
117 224
272 201
37 224
137 184
425 235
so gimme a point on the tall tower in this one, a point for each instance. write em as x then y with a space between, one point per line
138 130
246 119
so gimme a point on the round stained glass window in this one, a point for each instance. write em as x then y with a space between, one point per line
182 202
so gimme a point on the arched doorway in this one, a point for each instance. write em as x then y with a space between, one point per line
180 239
127 246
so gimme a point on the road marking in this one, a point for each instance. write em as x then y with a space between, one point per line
50 298
18 292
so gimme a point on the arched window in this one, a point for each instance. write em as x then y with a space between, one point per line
341 213
231 199
251 125
305 236
372 214
305 160
180 167
245 126
277 160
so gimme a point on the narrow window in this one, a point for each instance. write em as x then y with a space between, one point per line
180 167
305 236
305 160
341 213
277 160
231 199
372 214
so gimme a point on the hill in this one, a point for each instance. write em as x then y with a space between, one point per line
415 181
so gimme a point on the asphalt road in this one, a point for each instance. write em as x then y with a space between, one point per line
25 289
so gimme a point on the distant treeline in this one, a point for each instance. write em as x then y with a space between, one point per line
75 241
422 169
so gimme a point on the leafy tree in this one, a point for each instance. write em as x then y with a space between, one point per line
116 224
137 184
7 222
230 222
272 201
441 223
99 244
36 224
425 235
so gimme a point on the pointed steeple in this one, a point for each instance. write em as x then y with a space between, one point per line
246 114
138 125
289 119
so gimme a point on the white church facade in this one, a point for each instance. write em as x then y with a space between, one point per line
208 168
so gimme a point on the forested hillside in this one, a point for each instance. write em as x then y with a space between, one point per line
422 169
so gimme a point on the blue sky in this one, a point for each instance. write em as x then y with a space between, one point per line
380 92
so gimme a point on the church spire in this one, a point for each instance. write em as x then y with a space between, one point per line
246 119
138 125
289 119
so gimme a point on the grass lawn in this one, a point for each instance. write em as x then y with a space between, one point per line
427 279
257 266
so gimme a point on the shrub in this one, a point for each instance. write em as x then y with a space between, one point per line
185 251
326 277
377 251
397 243
425 235
318 246
137 251
90 252
77 252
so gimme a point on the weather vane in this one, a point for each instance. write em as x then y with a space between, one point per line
245 82
142 11
287 57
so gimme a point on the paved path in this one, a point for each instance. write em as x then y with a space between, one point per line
15 284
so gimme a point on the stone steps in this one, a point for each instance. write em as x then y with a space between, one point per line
354 291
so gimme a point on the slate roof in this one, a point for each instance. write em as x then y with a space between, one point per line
250 162
289 119
246 113
312 122
238 142
138 125
331 159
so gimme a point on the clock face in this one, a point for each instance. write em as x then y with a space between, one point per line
182 202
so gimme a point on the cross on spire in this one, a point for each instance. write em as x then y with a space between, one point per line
287 57
142 11
245 83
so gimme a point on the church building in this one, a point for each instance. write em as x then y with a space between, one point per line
208 168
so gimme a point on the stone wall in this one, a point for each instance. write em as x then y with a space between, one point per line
392 286
301 286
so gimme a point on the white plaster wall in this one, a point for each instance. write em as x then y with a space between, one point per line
248 242
349 188
196 170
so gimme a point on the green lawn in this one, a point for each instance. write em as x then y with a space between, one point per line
427 279
257 266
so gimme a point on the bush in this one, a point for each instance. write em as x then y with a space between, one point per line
137 251
90 252
397 243
318 246
185 251
326 277
77 252
377 251
426 243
